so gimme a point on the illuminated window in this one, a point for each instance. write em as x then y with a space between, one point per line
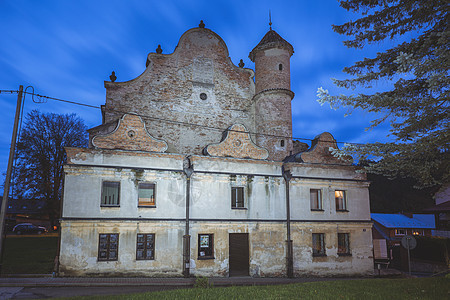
341 200
110 193
145 246
343 244
400 231
108 246
417 232
318 244
205 246
315 197
146 194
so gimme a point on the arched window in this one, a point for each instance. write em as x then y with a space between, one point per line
282 143
280 67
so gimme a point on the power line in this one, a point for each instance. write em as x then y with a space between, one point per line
160 119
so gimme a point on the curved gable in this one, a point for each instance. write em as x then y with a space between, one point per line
197 83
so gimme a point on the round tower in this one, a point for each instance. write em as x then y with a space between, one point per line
273 95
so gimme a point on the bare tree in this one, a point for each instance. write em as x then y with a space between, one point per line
40 156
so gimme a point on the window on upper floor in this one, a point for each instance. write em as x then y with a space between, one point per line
108 246
145 246
280 67
341 200
237 197
146 194
315 197
110 193
417 232
318 244
343 244
205 246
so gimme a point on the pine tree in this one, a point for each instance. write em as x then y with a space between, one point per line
417 105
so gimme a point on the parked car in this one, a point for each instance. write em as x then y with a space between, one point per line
28 228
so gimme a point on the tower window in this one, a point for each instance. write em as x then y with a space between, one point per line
280 67
282 143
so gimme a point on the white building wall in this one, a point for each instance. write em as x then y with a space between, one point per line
264 216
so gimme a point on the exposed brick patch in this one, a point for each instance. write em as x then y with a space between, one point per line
320 151
130 134
238 144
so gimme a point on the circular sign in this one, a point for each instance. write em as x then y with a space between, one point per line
409 242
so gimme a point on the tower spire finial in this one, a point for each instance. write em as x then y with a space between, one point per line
270 20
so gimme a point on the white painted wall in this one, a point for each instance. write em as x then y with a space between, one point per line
84 219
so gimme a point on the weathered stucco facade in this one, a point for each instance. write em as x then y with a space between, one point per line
194 172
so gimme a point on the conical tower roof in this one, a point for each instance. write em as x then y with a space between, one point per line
271 40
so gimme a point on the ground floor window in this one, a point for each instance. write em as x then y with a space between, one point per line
145 246
400 231
318 244
343 244
108 246
205 246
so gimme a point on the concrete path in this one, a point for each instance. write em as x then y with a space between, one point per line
48 281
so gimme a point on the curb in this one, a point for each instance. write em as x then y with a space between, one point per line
95 282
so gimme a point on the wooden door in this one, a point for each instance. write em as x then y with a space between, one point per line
239 254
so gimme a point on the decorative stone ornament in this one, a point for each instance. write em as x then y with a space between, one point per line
237 143
241 64
113 77
201 25
159 49
130 134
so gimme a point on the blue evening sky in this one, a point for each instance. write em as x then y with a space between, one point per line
67 48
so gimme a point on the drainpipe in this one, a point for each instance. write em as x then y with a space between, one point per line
58 250
289 249
188 170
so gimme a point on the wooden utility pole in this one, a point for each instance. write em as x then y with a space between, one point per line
8 176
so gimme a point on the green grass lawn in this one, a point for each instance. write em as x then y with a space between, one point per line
416 288
29 255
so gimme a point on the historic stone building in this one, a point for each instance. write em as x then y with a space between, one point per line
194 172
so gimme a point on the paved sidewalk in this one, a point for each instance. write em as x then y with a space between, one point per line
49 281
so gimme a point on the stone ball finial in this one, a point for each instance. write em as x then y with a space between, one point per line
241 64
159 49
113 76
201 25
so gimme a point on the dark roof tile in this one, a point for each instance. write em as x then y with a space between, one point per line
271 40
